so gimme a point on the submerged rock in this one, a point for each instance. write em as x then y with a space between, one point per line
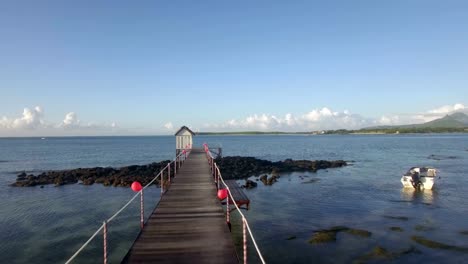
323 237
437 245
464 232
402 218
377 253
441 157
311 181
329 235
423 228
411 250
358 232
396 229
380 253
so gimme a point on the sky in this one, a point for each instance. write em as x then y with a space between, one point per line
149 67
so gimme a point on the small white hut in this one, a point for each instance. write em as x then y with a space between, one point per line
183 139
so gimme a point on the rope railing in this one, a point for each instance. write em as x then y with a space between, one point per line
177 161
245 225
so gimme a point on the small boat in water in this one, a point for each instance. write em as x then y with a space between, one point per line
419 178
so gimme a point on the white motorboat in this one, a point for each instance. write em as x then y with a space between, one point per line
419 178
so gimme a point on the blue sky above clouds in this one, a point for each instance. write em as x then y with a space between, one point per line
104 68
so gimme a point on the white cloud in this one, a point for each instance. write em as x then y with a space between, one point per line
169 126
316 119
389 120
325 118
446 109
435 113
71 121
30 119
32 123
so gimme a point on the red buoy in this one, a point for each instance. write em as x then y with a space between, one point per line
222 194
136 186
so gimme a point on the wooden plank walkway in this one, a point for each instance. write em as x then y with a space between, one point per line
189 224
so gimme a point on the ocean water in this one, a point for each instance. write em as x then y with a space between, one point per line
47 225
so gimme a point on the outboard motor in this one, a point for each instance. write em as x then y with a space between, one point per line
416 180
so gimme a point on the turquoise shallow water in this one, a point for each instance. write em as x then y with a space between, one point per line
47 225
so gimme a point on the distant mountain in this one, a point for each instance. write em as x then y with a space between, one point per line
455 120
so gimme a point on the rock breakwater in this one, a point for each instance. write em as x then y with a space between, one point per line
237 167
231 167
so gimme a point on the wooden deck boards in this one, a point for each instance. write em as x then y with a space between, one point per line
189 225
238 194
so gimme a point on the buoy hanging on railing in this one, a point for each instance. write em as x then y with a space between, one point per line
222 194
136 186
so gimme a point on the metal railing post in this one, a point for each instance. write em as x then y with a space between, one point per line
169 172
215 177
105 241
228 217
142 210
162 181
244 232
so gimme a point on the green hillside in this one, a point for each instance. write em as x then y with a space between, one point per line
455 120
447 121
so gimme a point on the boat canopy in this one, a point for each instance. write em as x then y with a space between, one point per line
421 171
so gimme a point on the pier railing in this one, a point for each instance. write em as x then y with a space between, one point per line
221 184
175 164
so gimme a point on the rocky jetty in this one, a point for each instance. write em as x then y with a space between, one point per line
231 167
237 167
122 177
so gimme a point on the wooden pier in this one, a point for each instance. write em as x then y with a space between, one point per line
189 224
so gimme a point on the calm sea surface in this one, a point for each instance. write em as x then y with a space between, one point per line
47 225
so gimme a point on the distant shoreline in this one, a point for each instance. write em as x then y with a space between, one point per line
252 133
340 132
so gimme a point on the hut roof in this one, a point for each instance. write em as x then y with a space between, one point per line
185 128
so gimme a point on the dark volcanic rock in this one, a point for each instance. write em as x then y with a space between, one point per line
249 184
237 167
231 167
87 176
